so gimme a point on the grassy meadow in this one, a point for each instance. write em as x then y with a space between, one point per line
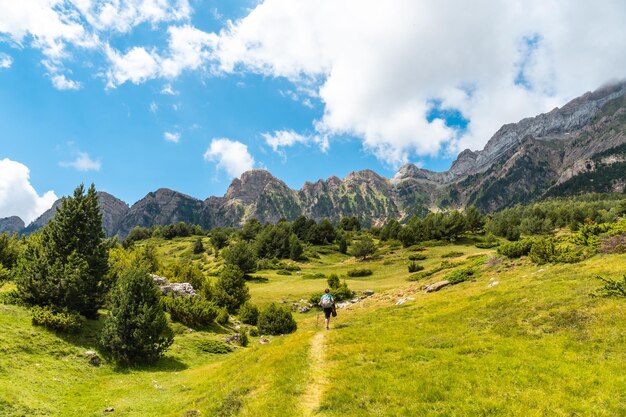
535 344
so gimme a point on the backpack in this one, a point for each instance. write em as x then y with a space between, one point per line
326 301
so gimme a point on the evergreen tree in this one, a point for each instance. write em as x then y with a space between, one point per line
342 243
219 239
137 330
363 247
230 290
198 247
241 255
65 266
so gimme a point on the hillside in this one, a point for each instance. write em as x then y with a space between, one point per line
536 343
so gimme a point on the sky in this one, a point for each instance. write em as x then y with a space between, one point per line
135 95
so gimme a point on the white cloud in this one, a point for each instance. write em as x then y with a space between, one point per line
286 138
378 66
5 60
17 195
83 162
136 66
153 107
231 156
61 83
173 137
168 90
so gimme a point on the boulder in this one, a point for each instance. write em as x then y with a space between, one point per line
437 286
93 358
493 284
179 289
158 280
304 309
264 341
368 293
109 410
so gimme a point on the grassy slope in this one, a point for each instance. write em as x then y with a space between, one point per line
536 344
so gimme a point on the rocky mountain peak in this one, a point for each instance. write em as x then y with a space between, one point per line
11 224
251 184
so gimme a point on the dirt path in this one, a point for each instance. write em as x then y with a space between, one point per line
313 395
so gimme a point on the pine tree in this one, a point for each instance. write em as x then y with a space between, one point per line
363 247
230 289
241 255
137 330
65 266
198 247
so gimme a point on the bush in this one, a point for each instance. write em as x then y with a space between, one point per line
543 250
611 288
136 329
516 249
243 339
10 297
214 346
452 254
415 267
359 272
424 274
363 248
249 313
460 275
191 311
59 320
342 292
275 319
222 317
254 332
417 257
333 281
283 272
230 290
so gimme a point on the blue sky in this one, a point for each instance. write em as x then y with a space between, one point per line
135 95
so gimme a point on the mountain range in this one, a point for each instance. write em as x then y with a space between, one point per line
578 148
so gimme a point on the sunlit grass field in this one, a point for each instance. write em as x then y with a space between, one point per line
536 344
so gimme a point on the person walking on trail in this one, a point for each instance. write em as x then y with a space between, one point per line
327 302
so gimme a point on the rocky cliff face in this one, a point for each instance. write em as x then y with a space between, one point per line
11 224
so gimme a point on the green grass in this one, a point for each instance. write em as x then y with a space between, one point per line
536 344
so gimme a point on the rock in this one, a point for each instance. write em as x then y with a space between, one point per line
404 300
368 293
158 280
189 330
343 304
234 338
437 286
304 309
182 289
93 357
11 224
493 284
264 341
157 386
109 410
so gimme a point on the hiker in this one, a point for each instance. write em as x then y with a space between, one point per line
327 302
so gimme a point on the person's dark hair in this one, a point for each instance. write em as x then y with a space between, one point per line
326 290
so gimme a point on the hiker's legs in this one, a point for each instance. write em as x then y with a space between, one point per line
327 321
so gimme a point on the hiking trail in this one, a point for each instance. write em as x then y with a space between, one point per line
313 394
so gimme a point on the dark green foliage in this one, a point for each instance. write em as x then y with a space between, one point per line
487 242
222 317
66 265
249 313
136 331
278 241
254 332
516 249
322 233
543 250
474 220
59 320
243 339
276 319
611 288
219 238
190 311
452 254
9 250
136 234
214 346
149 258
283 272
417 257
342 243
251 229
359 272
342 292
230 290
186 271
460 275
198 247
241 255
415 267
333 281
350 224
390 230
180 229
295 248
363 247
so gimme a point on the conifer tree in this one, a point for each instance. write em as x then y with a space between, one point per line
137 330
65 266
230 289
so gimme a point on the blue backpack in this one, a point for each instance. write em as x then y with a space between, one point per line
326 301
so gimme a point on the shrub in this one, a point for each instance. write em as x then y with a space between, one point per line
60 320
254 332
283 272
275 319
460 275
222 317
333 281
414 267
487 242
136 329
342 292
417 257
611 288
198 247
249 313
516 249
214 346
230 290
243 339
424 274
191 311
363 248
359 272
452 254
543 250
11 297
